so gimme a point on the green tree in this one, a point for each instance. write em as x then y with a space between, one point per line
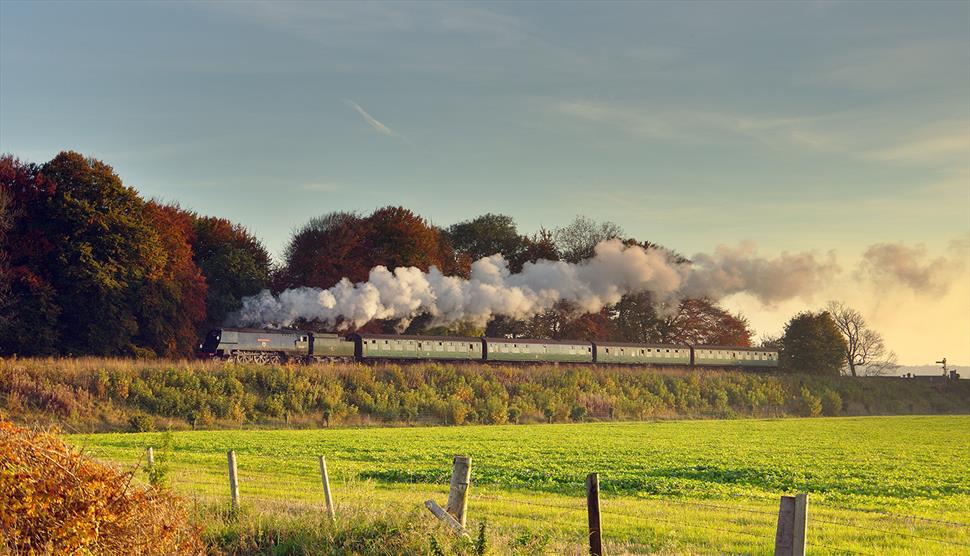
235 264
485 236
812 344
98 249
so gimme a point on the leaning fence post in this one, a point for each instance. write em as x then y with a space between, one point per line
326 486
458 494
792 525
233 480
593 514
150 456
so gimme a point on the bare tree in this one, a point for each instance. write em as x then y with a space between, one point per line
866 349
577 240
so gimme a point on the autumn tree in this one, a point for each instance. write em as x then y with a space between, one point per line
235 264
540 246
812 344
171 302
702 322
865 347
399 237
329 247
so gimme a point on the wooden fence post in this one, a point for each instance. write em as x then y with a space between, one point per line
326 487
444 516
792 525
458 494
593 514
233 480
150 455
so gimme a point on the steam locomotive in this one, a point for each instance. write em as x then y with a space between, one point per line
283 345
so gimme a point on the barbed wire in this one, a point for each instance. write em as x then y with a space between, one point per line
706 505
905 516
681 524
890 531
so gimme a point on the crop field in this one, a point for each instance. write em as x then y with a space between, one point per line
877 485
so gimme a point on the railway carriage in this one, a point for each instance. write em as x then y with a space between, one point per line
387 346
520 349
641 354
282 345
729 356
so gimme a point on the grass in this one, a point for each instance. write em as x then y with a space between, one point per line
878 485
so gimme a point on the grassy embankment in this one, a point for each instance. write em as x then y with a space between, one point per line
878 485
94 395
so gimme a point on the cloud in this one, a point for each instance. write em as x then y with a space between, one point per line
321 187
903 66
371 120
950 141
696 126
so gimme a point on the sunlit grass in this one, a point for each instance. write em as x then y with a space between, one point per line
670 487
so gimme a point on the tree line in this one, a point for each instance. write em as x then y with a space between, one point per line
88 267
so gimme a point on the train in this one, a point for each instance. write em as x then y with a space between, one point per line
270 346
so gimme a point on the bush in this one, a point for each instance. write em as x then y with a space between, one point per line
831 403
55 500
141 422
809 405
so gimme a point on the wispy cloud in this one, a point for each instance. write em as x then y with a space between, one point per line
371 120
931 145
695 126
376 124
321 187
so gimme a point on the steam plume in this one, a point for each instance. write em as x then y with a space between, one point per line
889 264
614 270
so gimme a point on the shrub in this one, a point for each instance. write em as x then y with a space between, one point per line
809 405
831 403
55 500
141 422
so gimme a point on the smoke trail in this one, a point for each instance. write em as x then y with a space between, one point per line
613 271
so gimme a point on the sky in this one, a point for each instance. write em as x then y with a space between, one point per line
823 126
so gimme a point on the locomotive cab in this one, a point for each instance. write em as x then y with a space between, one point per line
210 344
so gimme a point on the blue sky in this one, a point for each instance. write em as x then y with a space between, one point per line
797 126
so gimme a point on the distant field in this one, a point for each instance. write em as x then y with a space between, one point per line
878 485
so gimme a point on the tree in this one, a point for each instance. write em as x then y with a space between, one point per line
84 251
812 344
577 240
486 235
171 303
399 237
865 347
540 246
635 319
235 264
326 249
700 321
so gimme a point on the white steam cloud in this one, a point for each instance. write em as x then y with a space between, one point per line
614 271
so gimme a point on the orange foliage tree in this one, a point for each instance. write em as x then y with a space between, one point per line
172 300
702 322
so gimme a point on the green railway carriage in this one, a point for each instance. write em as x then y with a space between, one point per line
519 349
721 356
388 346
641 354
331 346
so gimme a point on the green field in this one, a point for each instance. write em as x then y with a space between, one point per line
878 485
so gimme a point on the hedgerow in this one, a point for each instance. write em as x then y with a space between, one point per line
106 394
